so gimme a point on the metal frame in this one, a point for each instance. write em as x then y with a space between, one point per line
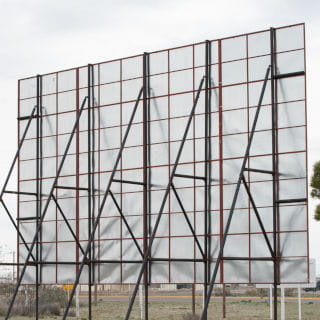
43 213
94 212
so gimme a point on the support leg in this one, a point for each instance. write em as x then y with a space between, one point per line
193 293
299 303
270 302
224 309
283 306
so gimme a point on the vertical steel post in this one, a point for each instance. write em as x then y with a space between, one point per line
93 168
38 191
223 301
40 169
221 191
283 305
89 190
146 185
207 193
193 302
299 303
274 169
55 192
149 227
90 183
37 202
77 214
16 157
270 302
221 204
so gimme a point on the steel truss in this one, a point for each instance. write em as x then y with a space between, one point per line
34 256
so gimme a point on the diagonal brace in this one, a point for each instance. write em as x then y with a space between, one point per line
126 223
3 190
188 220
18 151
67 223
255 209
16 227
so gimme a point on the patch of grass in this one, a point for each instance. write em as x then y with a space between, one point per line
190 316
181 310
245 301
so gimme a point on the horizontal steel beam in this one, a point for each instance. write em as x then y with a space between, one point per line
249 258
129 182
259 171
27 218
72 188
21 192
27 117
33 263
176 260
189 176
292 200
289 75
24 193
193 177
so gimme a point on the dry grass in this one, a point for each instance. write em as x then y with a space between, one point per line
181 310
242 310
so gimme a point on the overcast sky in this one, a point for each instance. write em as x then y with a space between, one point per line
38 36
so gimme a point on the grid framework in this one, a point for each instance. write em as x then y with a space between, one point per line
201 147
